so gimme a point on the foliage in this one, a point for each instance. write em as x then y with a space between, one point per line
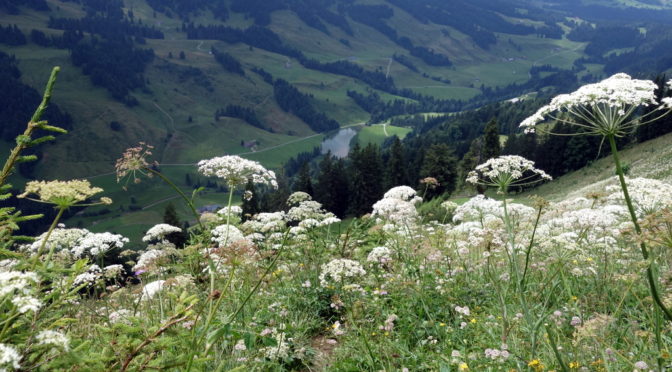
486 285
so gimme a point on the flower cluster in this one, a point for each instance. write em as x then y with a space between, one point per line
21 287
506 171
224 235
398 206
339 270
266 222
133 160
9 357
647 195
153 260
54 339
88 278
380 255
63 193
235 171
97 244
405 193
234 210
60 239
159 232
307 212
603 107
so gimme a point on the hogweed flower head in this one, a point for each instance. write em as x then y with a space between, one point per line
134 161
159 232
235 171
605 108
506 171
64 194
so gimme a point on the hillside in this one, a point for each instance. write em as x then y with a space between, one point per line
202 79
650 159
176 106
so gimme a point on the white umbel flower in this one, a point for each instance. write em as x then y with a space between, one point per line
339 270
152 289
53 338
25 304
97 244
9 357
159 232
380 255
405 193
603 108
506 171
234 210
224 235
235 171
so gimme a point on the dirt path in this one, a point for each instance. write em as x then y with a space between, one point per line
389 64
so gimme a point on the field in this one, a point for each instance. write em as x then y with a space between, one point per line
481 284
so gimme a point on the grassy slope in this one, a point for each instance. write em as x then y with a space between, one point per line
378 133
651 159
162 116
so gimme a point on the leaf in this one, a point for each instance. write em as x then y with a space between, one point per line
215 335
5 253
63 321
52 128
37 141
26 158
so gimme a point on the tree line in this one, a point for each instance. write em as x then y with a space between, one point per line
240 112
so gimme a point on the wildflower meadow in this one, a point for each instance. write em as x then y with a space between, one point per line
498 282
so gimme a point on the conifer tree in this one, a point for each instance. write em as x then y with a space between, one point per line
170 217
332 186
491 146
395 170
440 163
366 174
303 181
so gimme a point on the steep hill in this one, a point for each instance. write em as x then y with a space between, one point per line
199 79
397 48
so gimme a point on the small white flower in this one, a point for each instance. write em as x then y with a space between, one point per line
26 304
338 270
641 365
9 357
159 232
152 289
53 338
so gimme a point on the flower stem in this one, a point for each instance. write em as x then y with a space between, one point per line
46 238
638 230
32 126
186 200
529 248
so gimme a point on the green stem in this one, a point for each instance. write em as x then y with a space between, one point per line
32 125
659 341
186 200
638 230
242 305
551 338
529 248
46 238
